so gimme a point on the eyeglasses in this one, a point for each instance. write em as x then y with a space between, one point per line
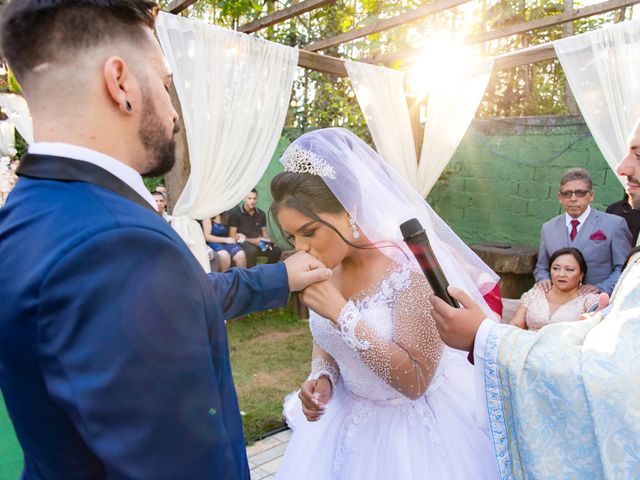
569 193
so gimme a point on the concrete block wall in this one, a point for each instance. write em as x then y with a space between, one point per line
501 184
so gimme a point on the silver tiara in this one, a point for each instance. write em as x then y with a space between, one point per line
299 160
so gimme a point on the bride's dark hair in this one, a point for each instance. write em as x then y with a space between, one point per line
309 195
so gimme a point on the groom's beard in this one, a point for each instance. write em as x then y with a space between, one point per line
161 150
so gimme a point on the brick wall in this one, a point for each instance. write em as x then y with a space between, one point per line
501 184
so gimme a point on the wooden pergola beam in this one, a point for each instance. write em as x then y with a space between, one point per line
527 56
284 14
327 64
524 57
386 24
322 63
550 21
177 6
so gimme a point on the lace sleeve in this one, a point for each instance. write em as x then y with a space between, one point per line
409 362
323 364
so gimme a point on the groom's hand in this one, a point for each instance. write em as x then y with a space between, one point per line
304 270
457 326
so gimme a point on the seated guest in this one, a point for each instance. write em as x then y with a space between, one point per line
161 205
563 302
162 189
216 234
628 209
603 239
250 221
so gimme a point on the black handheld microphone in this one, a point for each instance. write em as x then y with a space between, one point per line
416 238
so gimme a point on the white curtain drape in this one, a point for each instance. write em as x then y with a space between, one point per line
603 71
453 100
7 138
17 110
234 91
380 93
454 97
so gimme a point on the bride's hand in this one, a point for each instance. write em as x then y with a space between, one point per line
314 396
324 299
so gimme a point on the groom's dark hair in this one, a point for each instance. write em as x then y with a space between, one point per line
37 33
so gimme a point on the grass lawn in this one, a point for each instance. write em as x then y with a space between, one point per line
10 452
270 356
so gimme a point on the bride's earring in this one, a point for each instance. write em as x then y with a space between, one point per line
354 228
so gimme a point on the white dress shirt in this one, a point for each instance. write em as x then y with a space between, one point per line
115 167
582 218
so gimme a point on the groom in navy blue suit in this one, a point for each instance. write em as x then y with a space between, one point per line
113 352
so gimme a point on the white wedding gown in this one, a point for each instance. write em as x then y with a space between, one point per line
385 344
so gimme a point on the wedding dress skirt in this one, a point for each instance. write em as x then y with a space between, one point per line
370 431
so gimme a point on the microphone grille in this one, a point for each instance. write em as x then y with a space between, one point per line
411 228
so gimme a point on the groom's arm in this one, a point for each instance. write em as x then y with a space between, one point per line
240 291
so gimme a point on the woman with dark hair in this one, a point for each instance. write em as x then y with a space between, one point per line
385 398
563 303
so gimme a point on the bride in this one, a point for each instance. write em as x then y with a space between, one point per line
386 399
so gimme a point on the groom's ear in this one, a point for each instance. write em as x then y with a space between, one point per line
118 82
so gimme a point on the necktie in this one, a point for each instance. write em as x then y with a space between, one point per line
574 229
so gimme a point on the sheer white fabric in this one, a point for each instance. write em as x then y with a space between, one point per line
380 93
602 70
234 92
17 110
454 97
7 138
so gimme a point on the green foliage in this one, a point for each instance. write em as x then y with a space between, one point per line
152 182
321 100
270 356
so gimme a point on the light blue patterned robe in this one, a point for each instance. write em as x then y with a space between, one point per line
564 402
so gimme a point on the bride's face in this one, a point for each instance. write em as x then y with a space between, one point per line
311 236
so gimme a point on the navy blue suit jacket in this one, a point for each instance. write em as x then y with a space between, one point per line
114 361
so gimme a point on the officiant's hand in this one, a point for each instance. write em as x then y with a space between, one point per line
304 270
457 326
314 395
324 299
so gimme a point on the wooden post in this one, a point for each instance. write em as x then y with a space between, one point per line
567 31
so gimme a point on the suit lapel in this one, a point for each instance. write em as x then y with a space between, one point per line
563 231
69 170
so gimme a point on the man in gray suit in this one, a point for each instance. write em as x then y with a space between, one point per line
603 239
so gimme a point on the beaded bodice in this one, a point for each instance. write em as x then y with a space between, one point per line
385 346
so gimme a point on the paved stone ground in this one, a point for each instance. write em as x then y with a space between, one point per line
265 455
